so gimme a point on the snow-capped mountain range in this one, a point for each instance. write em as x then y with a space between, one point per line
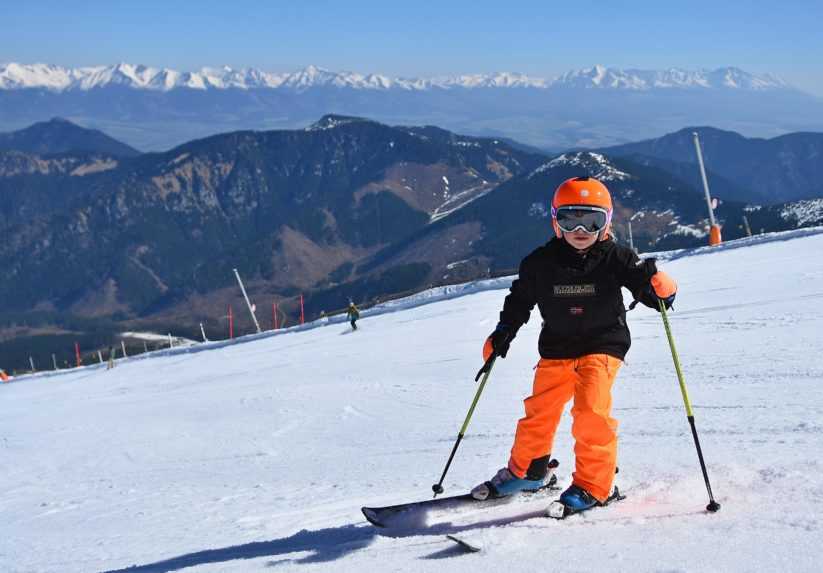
15 76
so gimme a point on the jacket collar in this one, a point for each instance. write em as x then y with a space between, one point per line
572 257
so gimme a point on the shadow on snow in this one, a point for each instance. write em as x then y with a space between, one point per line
325 545
332 543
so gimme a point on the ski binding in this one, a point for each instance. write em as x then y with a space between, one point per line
558 510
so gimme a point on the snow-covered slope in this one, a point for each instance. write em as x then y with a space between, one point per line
257 455
20 76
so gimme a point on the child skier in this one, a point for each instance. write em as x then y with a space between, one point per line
353 314
575 280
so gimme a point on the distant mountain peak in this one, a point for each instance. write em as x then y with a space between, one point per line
332 121
591 164
602 77
59 135
21 76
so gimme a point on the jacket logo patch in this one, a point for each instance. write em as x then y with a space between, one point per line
575 290
576 310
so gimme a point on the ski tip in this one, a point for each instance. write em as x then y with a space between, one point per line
371 516
464 544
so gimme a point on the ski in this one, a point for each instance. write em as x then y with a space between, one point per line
471 548
558 510
396 514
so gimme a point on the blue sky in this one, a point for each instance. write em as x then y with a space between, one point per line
423 38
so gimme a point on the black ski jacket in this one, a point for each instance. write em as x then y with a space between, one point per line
579 297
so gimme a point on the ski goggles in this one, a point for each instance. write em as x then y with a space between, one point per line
589 219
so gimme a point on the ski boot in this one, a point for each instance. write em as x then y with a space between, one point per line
505 483
576 500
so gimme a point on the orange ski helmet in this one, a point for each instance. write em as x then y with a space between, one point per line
584 192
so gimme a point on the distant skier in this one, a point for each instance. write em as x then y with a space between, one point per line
575 280
353 314
3 376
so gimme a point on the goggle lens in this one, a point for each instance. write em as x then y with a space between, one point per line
570 219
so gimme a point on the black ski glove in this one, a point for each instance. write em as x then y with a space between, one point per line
500 339
651 299
660 288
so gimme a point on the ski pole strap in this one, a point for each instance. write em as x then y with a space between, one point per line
676 360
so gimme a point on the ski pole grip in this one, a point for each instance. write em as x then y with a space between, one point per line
486 366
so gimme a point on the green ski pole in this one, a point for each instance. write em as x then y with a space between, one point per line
484 371
713 505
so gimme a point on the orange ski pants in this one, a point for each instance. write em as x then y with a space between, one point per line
588 380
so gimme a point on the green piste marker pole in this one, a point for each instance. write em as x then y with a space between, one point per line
485 371
713 505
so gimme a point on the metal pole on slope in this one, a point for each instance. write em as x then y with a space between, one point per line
713 505
631 235
485 371
746 226
248 303
714 228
